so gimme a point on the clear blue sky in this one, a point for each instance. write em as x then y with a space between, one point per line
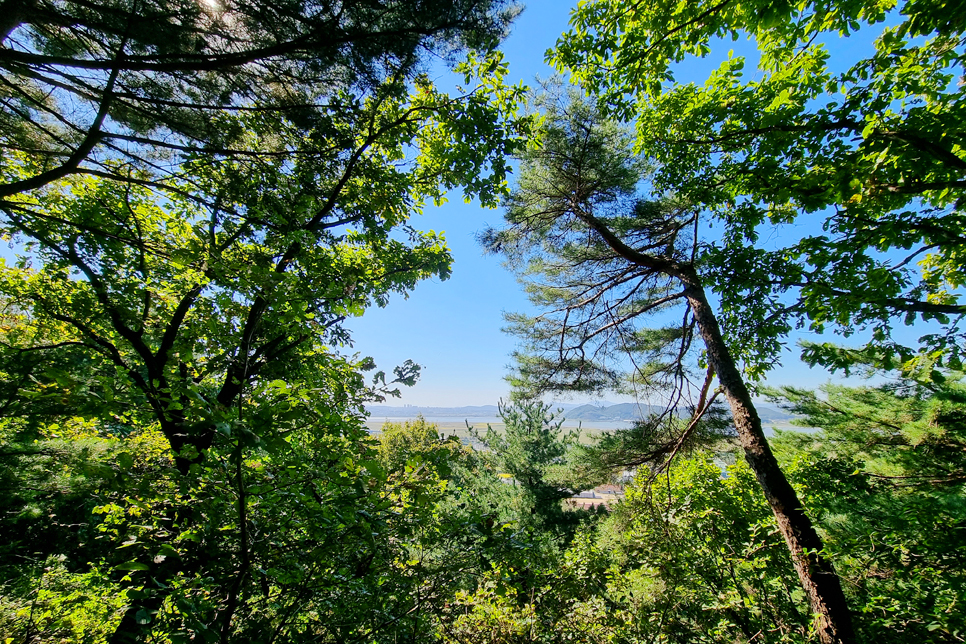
453 327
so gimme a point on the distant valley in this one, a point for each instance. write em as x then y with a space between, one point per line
617 412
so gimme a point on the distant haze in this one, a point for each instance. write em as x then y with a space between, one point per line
626 412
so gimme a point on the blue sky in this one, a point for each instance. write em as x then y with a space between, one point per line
453 327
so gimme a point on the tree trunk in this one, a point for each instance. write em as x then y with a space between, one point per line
12 13
833 621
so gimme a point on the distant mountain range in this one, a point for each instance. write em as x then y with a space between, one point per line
633 411
604 413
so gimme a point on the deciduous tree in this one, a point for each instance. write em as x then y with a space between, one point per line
201 195
847 157
248 271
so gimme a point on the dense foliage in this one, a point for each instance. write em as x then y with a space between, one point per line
202 195
838 135
694 556
197 213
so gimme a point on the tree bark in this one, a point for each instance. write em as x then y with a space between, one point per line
12 13
833 620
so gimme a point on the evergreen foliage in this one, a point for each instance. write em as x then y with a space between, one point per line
601 257
532 451
111 88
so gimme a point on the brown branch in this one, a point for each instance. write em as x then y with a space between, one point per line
46 347
898 303
92 138
700 410
660 264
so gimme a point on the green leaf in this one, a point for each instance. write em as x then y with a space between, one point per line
132 565
125 460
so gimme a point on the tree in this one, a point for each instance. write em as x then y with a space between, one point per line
191 251
907 432
690 556
532 449
296 211
863 157
306 540
885 477
453 517
182 306
418 441
696 557
101 89
608 256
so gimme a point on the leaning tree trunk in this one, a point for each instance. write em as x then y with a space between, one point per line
833 621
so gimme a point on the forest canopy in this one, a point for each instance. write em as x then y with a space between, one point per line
203 195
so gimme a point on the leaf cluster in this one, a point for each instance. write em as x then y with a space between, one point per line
869 149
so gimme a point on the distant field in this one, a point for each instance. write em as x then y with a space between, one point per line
449 427
458 428
446 427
